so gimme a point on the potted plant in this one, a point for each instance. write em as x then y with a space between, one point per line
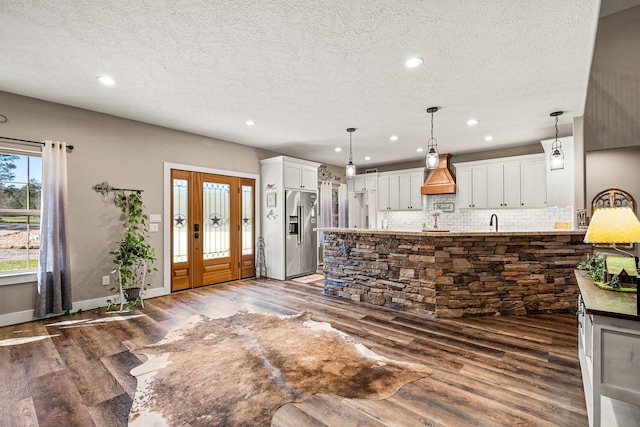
134 256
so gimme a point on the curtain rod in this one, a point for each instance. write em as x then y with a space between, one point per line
69 147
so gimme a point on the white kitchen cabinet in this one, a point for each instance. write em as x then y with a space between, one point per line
533 184
608 343
510 182
400 190
503 185
409 192
300 176
472 187
512 191
364 182
388 192
362 200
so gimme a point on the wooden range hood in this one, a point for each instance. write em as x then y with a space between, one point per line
440 181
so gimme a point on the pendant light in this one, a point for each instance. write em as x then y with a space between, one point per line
433 157
557 155
351 168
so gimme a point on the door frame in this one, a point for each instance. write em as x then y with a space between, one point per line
166 193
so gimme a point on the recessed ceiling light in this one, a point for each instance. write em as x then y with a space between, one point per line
488 138
394 138
106 80
367 158
413 62
337 149
420 150
472 122
249 123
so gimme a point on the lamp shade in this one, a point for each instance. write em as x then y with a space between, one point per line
613 225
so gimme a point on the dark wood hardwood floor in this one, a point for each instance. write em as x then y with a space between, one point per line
497 371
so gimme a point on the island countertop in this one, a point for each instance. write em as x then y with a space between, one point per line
457 233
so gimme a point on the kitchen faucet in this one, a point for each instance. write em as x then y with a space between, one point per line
491 221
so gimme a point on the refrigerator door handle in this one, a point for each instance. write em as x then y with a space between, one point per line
301 213
300 225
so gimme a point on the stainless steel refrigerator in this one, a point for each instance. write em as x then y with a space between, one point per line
301 248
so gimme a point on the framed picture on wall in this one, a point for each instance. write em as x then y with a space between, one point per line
271 200
444 207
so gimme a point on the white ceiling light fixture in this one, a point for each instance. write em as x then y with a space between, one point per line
433 157
488 138
393 138
250 123
106 80
367 158
557 155
419 150
337 149
351 168
472 122
414 62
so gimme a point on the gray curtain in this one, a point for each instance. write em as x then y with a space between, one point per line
53 294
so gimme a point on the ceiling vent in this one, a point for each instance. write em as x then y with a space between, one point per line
440 181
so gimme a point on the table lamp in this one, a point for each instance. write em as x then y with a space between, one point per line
613 226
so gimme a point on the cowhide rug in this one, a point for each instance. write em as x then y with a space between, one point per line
239 370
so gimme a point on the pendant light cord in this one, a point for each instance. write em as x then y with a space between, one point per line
350 156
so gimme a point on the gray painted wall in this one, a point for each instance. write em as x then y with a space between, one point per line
127 154
612 110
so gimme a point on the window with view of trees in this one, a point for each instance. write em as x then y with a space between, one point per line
20 187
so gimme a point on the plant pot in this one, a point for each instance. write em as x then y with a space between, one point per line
131 294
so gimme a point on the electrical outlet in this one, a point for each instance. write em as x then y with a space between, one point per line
153 228
105 280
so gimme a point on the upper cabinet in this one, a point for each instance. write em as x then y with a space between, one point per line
410 183
533 184
511 182
363 183
300 176
471 185
388 194
400 190
503 185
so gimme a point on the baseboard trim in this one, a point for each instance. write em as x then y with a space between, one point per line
89 304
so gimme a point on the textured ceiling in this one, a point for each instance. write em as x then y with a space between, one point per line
304 71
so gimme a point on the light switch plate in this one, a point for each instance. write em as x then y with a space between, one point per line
155 218
153 228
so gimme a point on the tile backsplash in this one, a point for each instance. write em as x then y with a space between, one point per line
477 219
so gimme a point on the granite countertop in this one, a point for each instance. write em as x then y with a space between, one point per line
444 233
602 302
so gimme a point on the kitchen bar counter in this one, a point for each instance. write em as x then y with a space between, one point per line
445 233
455 274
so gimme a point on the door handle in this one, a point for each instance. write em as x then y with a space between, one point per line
196 236
300 225
196 227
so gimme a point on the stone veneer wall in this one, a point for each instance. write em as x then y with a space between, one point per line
456 276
